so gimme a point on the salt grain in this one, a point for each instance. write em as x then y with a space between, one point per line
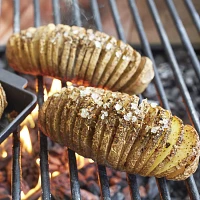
118 54
109 46
118 106
97 44
133 106
84 113
28 35
154 129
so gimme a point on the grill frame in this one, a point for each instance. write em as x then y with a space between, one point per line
103 179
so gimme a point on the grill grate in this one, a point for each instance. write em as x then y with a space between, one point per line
75 187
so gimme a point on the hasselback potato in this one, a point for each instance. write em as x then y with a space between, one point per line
115 130
85 57
3 102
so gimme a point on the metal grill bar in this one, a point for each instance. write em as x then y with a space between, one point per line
192 189
103 179
132 182
16 161
76 13
184 37
116 16
75 186
193 13
16 166
168 49
96 14
44 167
56 11
162 185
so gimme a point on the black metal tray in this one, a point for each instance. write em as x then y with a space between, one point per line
19 100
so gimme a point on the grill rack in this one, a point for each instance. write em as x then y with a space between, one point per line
161 183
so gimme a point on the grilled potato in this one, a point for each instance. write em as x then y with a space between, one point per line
84 57
115 131
3 102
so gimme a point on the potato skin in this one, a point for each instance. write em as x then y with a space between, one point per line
82 56
96 123
3 102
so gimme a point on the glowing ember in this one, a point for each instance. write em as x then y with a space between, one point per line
54 174
4 154
25 139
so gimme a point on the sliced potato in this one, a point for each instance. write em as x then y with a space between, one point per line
86 60
66 115
111 124
48 123
83 45
163 123
149 123
132 131
121 132
101 38
187 150
42 113
100 125
174 140
107 51
185 171
120 68
141 78
128 72
117 55
88 129
43 43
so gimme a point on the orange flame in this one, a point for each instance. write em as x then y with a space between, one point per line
55 87
25 139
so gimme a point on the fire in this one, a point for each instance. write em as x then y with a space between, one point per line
31 192
55 87
25 139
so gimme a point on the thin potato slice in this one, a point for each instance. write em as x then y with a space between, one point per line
88 128
73 111
107 51
120 68
147 129
56 118
187 150
83 46
48 113
129 71
34 49
43 42
119 138
42 114
25 36
89 52
58 48
163 123
66 114
132 131
111 125
185 171
100 125
141 78
117 55
174 140
100 40
74 51
65 56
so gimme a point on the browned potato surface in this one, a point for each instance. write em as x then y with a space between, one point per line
84 57
115 131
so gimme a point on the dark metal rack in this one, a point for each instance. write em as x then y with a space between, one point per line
103 179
